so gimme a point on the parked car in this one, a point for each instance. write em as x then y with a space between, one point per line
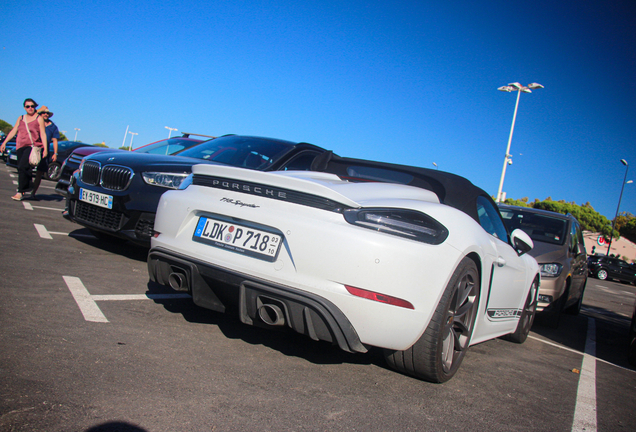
604 267
167 147
415 261
116 194
11 156
10 145
631 356
64 150
560 251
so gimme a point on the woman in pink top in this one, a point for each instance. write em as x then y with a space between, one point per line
31 132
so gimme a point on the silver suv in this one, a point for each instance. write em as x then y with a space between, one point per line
560 252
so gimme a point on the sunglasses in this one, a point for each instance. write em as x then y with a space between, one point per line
29 106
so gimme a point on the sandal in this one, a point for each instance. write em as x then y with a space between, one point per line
18 197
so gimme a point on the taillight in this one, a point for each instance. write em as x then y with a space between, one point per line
411 224
382 298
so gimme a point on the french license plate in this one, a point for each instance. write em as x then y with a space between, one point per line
13 157
96 198
242 239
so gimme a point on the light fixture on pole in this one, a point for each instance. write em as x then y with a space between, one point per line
170 131
509 88
435 165
76 131
132 135
620 197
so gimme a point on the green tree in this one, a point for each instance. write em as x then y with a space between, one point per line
626 225
514 202
5 127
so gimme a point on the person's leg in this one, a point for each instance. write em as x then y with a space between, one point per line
43 166
24 172
36 183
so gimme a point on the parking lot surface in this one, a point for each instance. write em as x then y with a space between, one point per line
87 341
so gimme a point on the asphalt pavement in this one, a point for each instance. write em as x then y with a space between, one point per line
88 343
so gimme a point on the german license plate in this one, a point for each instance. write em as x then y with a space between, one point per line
96 198
242 239
13 157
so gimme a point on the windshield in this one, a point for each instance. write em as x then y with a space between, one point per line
240 151
168 147
63 145
539 227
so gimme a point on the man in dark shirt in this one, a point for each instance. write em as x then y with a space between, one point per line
52 135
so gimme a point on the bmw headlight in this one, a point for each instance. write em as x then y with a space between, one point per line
404 223
551 269
167 180
186 182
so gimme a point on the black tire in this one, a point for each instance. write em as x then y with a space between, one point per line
576 307
527 316
552 318
601 274
54 171
439 352
631 354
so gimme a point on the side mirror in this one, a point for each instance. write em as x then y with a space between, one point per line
521 241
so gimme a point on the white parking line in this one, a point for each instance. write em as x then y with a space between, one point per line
585 410
29 206
119 297
87 302
46 234
42 231
82 297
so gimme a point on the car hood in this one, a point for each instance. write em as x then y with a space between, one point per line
148 162
85 151
547 252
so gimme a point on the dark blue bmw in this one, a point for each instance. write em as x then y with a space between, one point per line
117 194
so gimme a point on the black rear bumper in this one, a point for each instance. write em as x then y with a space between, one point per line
217 288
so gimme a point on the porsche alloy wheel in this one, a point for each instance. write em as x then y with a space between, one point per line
601 274
527 316
437 355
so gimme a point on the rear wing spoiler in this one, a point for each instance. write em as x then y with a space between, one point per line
187 135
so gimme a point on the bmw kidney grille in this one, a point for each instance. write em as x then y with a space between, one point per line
112 177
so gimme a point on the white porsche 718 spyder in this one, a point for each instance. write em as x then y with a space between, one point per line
358 253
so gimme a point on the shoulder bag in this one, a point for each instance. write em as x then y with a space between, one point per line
36 152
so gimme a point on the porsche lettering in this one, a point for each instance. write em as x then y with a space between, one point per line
257 190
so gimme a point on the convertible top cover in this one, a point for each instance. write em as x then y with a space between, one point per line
451 189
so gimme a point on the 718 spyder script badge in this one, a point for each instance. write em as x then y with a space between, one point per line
238 203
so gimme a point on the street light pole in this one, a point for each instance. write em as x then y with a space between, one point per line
507 159
76 130
132 135
170 131
609 245
123 144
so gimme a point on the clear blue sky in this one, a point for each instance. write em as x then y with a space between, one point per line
411 82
